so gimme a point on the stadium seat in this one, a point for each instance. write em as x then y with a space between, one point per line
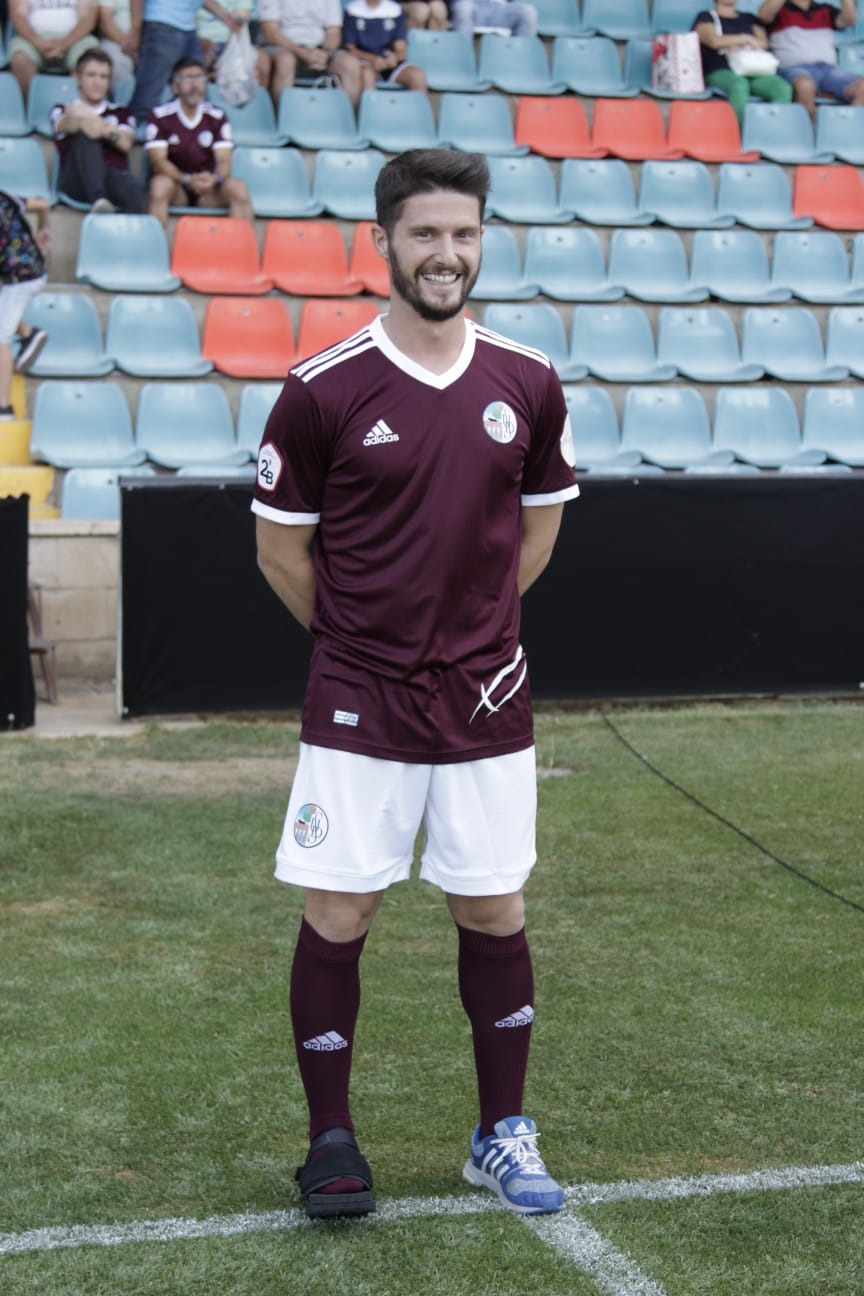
185 423
832 196
814 265
214 470
324 323
501 275
681 194
75 348
589 65
277 181
844 339
631 129
155 337
311 118
674 15
556 128
22 168
568 264
249 337
707 132
781 132
856 277
623 20
840 132
788 344
617 345
523 190
517 64
308 259
344 182
365 264
45 90
393 120
851 57
93 494
13 118
559 18
758 195
733 264
538 326
758 424
702 344
447 58
477 123
83 425
121 253
594 424
253 124
652 266
851 36
669 427
834 423
218 254
256 402
601 192
637 74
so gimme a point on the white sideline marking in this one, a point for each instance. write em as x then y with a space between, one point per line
575 1239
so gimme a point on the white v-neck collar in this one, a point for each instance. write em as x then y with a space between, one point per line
415 370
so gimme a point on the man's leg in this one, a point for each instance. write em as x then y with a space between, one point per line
161 47
805 94
125 192
83 175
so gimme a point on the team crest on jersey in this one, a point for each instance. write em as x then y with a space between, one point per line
499 422
205 138
311 826
269 467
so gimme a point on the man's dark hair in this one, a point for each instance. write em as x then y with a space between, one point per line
94 55
424 171
183 63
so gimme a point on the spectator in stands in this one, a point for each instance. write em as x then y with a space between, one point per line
213 36
722 31
49 37
115 37
801 34
189 148
513 16
22 275
374 31
303 39
162 33
93 138
433 14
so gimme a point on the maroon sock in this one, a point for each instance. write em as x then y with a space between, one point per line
496 982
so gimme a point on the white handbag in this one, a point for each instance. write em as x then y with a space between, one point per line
744 61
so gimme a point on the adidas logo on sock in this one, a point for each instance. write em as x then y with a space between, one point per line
380 434
524 1017
327 1043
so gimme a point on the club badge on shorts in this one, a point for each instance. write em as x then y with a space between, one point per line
311 826
499 422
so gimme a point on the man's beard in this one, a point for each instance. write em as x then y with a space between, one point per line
406 289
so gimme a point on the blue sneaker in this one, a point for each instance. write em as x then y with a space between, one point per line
508 1162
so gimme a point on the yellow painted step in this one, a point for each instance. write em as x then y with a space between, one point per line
15 441
35 480
19 396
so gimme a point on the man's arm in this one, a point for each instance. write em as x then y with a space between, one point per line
285 560
769 11
540 526
848 14
231 21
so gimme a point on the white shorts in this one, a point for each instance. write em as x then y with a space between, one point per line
352 822
13 303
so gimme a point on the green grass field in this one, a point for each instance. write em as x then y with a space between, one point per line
698 1014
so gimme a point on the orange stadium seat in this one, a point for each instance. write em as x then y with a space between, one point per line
832 195
218 254
557 128
308 259
632 129
249 337
708 132
323 323
366 264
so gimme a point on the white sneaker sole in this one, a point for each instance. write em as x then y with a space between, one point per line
479 1179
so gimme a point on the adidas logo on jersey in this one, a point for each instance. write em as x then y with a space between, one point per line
524 1017
327 1043
380 434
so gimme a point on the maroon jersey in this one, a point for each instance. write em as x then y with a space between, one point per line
190 140
417 482
116 115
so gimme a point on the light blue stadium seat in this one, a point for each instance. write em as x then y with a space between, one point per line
277 181
760 426
758 195
560 18
840 131
844 338
538 326
13 118
637 73
669 427
395 120
652 266
617 345
75 347
781 132
851 35
22 168
501 275
681 194
851 57
814 265
701 342
46 89
568 264
477 123
207 471
600 192
733 264
83 425
834 423
594 424
856 276
447 58
589 65
180 423
674 15
788 344
623 20
253 124
517 65
155 337
256 402
523 190
121 253
93 494
313 118
344 182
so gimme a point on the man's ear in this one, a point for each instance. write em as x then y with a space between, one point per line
379 240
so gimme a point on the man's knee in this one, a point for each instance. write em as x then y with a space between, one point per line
501 915
855 92
339 915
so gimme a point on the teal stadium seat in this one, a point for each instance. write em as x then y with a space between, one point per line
186 423
502 277
652 266
844 338
814 265
256 402
681 194
477 123
702 344
568 264
596 436
13 118
396 120
517 65
560 18
781 132
313 118
760 426
733 264
674 15
277 181
623 20
75 347
155 337
601 192
83 425
344 182
46 90
253 124
757 194
537 326
207 471
120 253
617 345
93 494
788 343
834 423
589 65
22 168
840 131
523 190
447 58
669 427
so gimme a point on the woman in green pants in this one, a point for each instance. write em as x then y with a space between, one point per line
723 32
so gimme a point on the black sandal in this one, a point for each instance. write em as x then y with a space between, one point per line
341 1160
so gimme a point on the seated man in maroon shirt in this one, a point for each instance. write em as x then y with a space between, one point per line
93 138
189 148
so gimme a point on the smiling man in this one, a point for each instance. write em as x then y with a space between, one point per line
429 460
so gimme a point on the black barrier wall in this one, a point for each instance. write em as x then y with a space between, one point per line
17 697
658 587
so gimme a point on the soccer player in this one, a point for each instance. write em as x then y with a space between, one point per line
428 459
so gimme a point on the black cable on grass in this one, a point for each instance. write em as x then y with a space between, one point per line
835 895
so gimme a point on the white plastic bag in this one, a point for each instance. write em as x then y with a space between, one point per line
236 75
676 63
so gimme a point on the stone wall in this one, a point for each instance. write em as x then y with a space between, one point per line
77 564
